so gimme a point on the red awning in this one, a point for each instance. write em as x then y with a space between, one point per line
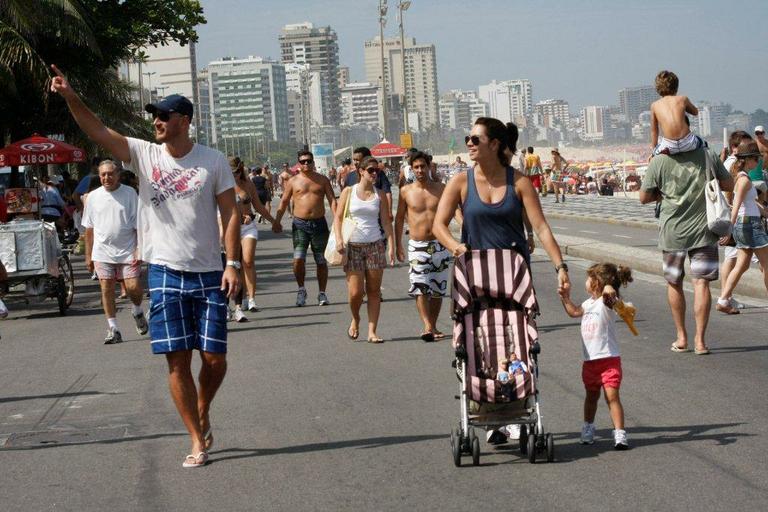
386 149
39 150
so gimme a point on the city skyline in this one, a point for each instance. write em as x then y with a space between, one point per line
702 56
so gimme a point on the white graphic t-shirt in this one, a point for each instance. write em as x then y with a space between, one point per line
598 330
177 224
112 215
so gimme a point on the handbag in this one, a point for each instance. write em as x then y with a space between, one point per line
348 226
718 211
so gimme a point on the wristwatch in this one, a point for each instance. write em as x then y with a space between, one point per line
234 264
563 266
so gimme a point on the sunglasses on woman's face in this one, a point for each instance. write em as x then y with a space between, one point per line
372 170
306 162
474 138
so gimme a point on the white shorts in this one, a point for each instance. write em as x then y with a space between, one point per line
731 252
249 231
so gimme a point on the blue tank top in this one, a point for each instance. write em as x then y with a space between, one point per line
494 226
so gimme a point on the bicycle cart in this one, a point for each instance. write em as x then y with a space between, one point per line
37 266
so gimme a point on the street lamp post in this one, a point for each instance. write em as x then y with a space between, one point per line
149 74
161 89
382 22
402 7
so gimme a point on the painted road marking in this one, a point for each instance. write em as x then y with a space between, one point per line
622 236
590 232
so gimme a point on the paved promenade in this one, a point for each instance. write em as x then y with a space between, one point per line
308 420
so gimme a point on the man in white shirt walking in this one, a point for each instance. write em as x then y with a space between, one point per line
181 186
110 246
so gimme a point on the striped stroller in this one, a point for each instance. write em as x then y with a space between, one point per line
496 343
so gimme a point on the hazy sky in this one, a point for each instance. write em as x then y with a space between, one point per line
580 51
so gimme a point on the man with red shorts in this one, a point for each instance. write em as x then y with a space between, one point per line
110 246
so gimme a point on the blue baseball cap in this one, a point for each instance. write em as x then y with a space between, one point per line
173 103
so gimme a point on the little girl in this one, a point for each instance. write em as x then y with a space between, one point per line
602 362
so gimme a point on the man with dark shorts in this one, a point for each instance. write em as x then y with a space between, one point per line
308 191
429 260
678 181
182 184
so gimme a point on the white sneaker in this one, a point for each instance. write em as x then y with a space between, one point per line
512 431
322 299
141 324
588 433
252 307
113 337
620 440
239 316
301 297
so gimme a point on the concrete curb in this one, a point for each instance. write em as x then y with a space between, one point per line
643 260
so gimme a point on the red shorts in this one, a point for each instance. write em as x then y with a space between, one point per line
600 373
536 180
117 271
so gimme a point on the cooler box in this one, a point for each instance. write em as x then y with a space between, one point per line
29 247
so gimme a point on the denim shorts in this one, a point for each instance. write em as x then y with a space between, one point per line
188 310
749 233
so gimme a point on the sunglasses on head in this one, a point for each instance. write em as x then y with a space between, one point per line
474 138
306 162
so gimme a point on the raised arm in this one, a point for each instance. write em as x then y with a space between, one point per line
690 107
91 125
654 129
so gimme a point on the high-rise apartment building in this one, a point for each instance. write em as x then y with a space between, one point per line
203 114
248 98
594 123
712 118
343 76
360 102
509 100
420 75
317 47
635 100
553 113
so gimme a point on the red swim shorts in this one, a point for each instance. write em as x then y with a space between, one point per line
600 373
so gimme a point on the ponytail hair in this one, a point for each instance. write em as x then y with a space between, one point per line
506 134
610 274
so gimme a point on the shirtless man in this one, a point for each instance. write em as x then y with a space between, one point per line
668 114
429 260
307 190
762 143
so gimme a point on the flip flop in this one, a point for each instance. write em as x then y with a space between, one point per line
195 461
439 335
427 336
376 340
679 350
703 352
354 336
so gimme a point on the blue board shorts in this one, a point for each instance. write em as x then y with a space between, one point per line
187 311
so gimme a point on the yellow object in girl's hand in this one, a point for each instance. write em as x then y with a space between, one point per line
627 313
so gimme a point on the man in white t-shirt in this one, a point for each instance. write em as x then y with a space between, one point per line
110 246
181 185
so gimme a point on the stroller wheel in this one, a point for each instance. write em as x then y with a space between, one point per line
532 448
550 447
523 439
475 451
456 447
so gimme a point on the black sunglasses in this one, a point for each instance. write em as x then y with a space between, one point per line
474 138
163 116
306 162
372 170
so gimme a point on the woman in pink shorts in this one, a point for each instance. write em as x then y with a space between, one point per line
602 361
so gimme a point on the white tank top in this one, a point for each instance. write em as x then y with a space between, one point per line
749 207
366 216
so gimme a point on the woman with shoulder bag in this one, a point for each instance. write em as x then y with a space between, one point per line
365 257
748 230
